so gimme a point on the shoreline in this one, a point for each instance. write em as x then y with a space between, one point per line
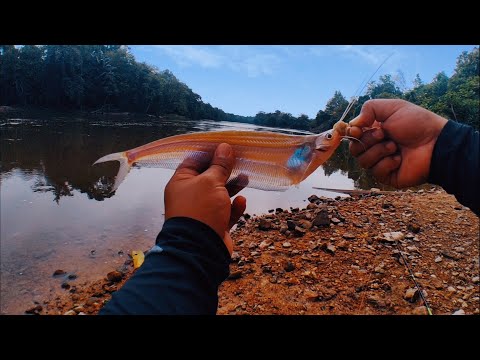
336 256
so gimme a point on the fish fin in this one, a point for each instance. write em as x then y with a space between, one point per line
122 171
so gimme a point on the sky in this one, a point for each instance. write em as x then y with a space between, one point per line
298 79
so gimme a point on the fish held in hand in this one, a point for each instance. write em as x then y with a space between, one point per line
263 160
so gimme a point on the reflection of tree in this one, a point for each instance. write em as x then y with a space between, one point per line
342 161
59 154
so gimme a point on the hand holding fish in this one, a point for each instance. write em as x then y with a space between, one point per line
399 138
203 196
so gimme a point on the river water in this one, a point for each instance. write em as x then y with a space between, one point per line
56 212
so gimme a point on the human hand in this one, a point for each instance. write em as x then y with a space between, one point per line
399 138
203 196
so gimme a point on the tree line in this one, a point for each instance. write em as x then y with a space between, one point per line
96 78
108 78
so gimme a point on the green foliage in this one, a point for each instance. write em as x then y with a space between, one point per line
107 78
102 78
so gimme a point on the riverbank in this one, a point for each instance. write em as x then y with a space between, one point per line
337 256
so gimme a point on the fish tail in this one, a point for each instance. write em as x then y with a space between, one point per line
122 171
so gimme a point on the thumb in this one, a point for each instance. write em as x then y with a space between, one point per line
222 163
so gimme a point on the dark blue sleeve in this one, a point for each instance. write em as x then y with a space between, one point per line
180 275
455 164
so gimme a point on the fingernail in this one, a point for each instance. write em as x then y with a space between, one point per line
378 134
390 146
223 151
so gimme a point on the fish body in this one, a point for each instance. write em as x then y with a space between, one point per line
263 160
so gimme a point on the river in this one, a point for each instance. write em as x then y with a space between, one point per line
56 212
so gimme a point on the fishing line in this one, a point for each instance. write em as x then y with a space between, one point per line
362 87
420 290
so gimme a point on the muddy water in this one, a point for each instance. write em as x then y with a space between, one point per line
56 212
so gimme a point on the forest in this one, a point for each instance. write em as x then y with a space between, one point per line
107 78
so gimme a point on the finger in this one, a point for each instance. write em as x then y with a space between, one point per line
239 205
368 139
385 170
227 239
222 163
376 153
376 109
235 185
194 165
354 131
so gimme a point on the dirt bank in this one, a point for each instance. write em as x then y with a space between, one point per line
337 257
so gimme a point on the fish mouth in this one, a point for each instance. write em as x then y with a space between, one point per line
323 148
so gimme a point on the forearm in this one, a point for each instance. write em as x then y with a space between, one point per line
181 275
455 163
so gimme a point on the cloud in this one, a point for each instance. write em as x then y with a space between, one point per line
370 54
252 60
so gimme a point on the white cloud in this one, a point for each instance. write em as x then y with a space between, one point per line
254 61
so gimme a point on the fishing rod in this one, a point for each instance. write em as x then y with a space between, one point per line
360 89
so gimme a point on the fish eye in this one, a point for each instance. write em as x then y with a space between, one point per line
329 136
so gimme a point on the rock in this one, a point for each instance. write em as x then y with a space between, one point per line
264 244
459 249
291 225
438 259
373 189
299 231
283 229
81 313
278 210
65 286
305 224
450 255
343 245
235 256
59 272
348 236
34 310
294 210
92 300
451 289
310 295
376 301
72 277
476 279
286 244
235 275
336 220
289 266
387 204
412 295
326 294
70 312
79 309
311 206
322 218
414 227
114 276
265 224
313 198
271 211
329 248
437 284
459 312
393 236
420 310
